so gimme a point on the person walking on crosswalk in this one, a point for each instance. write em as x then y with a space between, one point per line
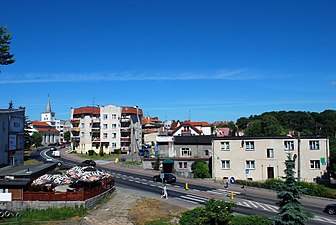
165 193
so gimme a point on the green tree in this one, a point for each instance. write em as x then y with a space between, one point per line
36 138
291 211
5 40
67 136
200 169
214 212
254 129
101 151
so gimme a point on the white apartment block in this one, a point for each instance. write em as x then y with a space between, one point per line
261 158
111 127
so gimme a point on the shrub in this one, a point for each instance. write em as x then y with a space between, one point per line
200 169
117 151
91 152
213 212
251 220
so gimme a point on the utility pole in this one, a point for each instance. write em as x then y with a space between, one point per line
299 157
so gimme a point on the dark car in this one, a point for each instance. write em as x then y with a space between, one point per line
89 162
168 178
330 209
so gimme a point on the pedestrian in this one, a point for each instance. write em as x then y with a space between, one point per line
165 194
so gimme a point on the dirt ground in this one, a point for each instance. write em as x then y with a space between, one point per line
147 210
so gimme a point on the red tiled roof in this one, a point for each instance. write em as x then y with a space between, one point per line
202 124
131 110
40 124
187 122
52 130
87 110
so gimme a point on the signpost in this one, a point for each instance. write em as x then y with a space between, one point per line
162 177
232 180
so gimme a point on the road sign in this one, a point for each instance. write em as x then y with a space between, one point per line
232 180
247 171
161 175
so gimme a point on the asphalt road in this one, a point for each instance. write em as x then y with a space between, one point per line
246 204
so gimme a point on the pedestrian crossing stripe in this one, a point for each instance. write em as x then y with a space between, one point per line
194 198
223 191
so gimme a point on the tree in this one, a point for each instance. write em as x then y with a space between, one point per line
67 136
200 169
290 210
11 105
5 40
37 138
101 151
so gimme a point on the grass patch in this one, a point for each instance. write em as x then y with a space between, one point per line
48 215
31 161
136 163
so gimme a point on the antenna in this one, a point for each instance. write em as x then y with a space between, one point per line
93 102
189 114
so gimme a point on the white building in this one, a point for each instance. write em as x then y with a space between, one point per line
111 127
261 158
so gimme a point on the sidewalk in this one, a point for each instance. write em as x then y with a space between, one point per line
252 192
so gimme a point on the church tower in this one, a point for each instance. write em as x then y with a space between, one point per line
48 116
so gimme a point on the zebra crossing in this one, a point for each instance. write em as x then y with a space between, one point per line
224 191
196 199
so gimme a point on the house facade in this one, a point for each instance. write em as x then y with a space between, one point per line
180 152
188 128
262 158
12 136
50 135
111 127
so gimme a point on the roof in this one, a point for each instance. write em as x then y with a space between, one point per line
26 171
47 129
267 137
40 124
87 110
187 122
131 110
201 124
15 182
193 140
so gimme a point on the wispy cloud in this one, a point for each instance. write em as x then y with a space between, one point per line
333 82
128 76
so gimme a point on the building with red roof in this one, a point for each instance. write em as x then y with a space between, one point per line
50 135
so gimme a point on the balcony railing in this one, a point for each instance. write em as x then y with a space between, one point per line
125 129
75 120
125 139
95 138
75 129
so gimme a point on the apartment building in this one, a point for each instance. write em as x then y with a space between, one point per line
12 136
111 127
261 158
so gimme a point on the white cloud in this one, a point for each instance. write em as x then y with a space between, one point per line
127 76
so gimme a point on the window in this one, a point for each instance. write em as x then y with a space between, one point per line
185 152
114 135
270 153
206 152
114 126
314 145
249 145
225 146
114 145
114 116
82 125
104 116
104 135
289 145
315 164
104 126
183 165
225 164
82 134
250 164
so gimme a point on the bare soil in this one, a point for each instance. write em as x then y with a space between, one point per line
148 210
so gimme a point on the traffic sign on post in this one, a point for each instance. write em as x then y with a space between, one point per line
232 180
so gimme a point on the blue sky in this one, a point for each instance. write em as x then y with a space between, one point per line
212 60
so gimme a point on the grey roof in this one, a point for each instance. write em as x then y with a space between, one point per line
26 171
267 137
196 140
15 182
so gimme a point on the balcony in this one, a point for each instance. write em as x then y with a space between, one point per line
75 129
75 139
125 129
75 120
95 120
125 139
125 119
95 139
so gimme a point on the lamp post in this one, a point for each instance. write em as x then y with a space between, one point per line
299 157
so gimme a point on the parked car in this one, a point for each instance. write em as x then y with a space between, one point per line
52 149
168 178
89 162
330 209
